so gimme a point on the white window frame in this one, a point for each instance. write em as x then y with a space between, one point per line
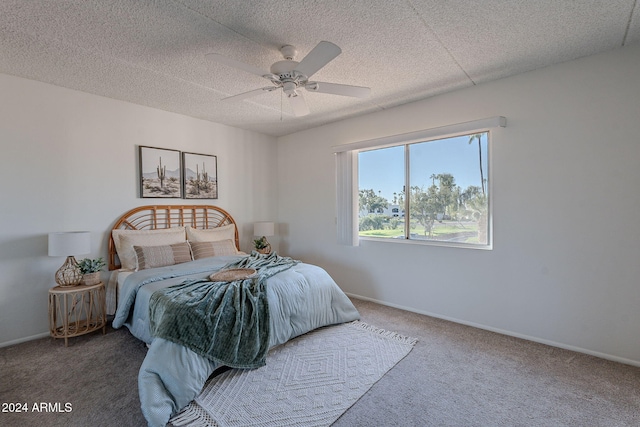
347 177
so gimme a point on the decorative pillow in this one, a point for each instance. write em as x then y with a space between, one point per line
209 249
160 256
212 234
125 240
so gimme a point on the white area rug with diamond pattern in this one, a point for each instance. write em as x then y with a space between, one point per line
308 381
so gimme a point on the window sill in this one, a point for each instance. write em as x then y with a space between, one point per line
457 245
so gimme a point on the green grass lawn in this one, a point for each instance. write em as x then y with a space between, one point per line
440 230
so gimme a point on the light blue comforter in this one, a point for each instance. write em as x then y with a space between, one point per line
300 299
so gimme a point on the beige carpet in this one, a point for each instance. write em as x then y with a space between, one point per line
455 376
309 381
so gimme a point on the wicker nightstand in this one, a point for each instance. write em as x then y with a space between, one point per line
76 310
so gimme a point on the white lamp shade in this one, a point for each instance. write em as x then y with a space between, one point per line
69 243
263 228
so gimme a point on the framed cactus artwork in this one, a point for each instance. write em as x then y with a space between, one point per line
160 172
199 176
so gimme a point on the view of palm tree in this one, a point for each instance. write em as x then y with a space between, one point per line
447 197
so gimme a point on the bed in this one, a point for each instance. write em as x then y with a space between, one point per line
161 251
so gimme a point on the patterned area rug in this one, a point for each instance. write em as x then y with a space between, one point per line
309 381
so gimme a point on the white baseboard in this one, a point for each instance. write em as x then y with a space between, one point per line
25 339
505 332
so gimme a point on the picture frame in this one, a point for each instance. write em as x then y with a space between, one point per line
160 172
199 176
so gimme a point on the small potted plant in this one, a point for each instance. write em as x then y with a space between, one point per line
90 269
262 245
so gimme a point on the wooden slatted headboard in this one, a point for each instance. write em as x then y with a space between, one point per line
153 217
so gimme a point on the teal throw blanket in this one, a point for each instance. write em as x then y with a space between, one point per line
226 322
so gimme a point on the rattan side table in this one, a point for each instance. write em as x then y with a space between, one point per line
76 310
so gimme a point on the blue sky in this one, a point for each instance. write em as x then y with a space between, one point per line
383 170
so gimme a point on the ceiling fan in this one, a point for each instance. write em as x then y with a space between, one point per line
291 76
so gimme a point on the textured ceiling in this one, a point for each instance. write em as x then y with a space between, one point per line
152 52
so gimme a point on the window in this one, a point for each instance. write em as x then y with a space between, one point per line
431 186
447 197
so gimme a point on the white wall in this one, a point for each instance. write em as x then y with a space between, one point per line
68 161
564 269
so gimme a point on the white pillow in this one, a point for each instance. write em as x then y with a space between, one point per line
226 232
125 240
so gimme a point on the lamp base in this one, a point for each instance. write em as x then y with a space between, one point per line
69 274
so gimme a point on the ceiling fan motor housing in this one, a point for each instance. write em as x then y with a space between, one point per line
284 68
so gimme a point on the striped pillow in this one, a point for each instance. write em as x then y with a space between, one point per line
209 249
160 256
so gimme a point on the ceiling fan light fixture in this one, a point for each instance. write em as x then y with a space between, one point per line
289 88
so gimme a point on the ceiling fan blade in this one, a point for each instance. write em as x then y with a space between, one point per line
338 89
249 94
215 57
298 104
321 55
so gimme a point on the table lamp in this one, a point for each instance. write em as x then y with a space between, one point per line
69 244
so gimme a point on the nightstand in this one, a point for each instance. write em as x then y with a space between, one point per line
76 310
